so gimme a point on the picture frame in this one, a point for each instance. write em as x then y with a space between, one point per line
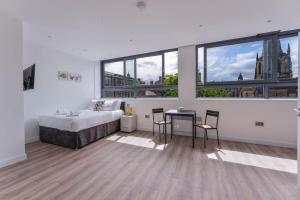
62 75
67 76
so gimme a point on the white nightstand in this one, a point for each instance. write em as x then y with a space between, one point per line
128 123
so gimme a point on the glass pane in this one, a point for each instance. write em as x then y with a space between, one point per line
283 92
112 94
230 92
288 58
236 62
129 72
149 93
171 68
114 74
149 70
200 75
169 93
158 93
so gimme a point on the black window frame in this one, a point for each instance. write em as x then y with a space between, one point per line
265 84
137 87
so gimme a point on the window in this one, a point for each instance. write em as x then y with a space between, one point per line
114 74
148 75
149 70
129 72
265 66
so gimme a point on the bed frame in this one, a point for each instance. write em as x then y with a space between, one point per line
77 140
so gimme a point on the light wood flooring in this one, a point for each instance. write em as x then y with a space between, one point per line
137 167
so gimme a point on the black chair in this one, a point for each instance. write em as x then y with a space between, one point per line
162 122
207 127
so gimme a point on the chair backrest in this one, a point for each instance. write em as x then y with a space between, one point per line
157 111
212 113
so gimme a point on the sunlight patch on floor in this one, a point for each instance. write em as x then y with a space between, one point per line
137 141
256 160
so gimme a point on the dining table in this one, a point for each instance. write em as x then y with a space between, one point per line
181 115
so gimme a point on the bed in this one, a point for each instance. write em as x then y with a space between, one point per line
76 132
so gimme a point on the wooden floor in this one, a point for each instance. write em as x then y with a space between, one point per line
136 166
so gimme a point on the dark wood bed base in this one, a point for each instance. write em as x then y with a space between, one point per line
77 140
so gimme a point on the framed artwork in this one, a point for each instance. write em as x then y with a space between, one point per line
69 76
62 75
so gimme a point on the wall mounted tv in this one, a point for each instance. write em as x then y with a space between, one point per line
28 78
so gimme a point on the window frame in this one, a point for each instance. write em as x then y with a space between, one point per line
136 87
265 84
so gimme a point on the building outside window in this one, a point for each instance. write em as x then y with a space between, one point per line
148 75
263 66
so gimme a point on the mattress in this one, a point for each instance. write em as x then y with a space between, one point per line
86 119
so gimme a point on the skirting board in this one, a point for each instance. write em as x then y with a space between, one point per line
32 139
236 139
13 160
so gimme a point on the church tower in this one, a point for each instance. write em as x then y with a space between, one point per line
259 74
284 63
284 70
240 78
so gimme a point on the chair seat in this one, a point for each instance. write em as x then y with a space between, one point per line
205 126
162 122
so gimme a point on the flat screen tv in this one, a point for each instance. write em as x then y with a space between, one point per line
28 78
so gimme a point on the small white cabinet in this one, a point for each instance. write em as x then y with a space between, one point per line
128 123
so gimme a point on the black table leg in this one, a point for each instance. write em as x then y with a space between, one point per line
193 119
171 127
166 130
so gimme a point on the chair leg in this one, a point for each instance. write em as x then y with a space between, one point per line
195 130
218 137
172 129
206 135
153 130
204 140
159 132
166 129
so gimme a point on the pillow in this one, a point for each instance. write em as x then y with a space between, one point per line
99 106
109 105
92 104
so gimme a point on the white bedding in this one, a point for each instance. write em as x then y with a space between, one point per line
85 120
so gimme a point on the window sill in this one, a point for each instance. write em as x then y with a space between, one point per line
147 98
244 99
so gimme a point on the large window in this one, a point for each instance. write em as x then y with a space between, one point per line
147 75
261 66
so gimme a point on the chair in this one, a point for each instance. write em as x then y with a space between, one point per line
159 111
207 127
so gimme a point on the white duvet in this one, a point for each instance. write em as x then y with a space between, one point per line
85 120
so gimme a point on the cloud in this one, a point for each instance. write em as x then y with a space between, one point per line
149 68
171 62
226 68
115 68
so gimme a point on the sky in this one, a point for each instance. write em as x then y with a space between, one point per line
115 67
227 62
150 68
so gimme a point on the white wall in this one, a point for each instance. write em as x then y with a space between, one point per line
50 93
12 145
237 116
298 120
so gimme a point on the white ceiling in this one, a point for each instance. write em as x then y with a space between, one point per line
101 29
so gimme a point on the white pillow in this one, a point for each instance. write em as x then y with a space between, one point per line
118 105
91 105
109 105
